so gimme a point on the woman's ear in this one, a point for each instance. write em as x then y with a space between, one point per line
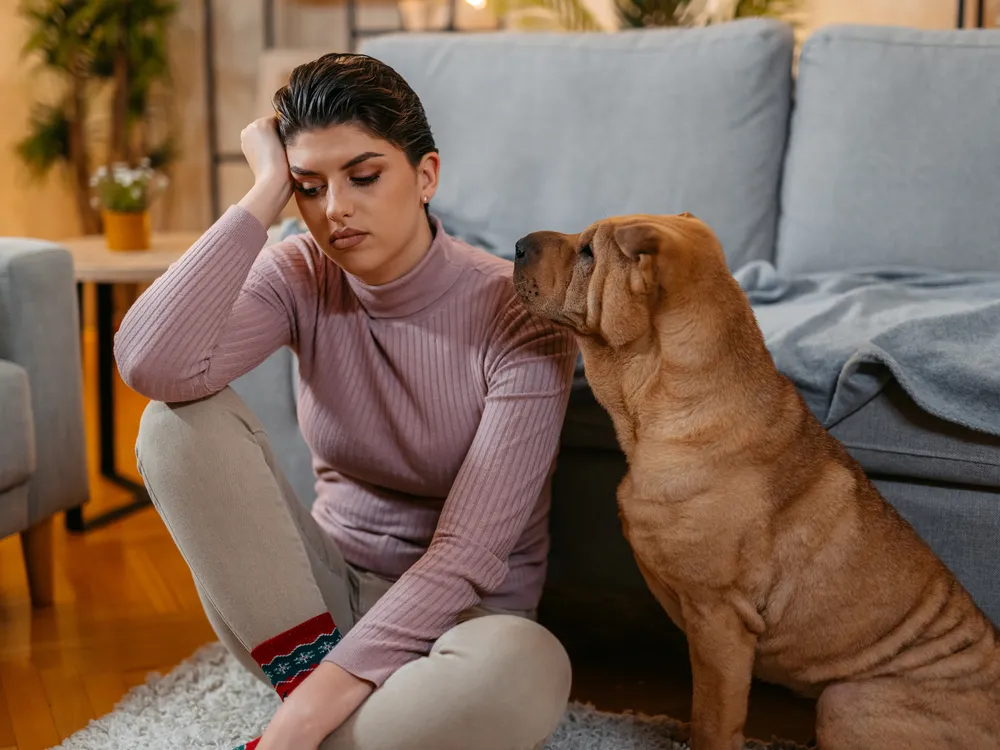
427 175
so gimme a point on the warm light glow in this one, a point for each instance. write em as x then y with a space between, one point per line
477 4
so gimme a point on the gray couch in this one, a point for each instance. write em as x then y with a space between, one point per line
881 153
43 467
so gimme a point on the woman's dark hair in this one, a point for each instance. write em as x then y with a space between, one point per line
340 88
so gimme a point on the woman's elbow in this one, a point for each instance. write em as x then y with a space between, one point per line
155 378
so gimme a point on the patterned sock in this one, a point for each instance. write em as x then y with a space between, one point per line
289 657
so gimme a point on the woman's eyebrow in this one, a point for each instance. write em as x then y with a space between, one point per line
360 158
303 172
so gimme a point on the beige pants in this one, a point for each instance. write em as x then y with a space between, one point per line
262 565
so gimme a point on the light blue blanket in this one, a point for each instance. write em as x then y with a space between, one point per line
841 337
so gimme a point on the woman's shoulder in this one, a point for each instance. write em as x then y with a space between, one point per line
483 268
489 280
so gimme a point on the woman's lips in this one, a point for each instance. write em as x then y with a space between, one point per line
347 238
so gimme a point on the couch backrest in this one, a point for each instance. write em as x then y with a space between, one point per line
555 131
894 152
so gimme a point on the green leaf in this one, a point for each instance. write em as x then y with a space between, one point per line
645 13
47 142
571 15
161 156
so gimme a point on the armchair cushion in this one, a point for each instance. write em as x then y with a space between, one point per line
17 449
40 332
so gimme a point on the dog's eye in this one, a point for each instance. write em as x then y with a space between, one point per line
587 251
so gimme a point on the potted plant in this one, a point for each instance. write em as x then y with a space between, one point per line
611 15
112 51
123 195
646 13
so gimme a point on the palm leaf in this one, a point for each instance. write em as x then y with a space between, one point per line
47 142
571 15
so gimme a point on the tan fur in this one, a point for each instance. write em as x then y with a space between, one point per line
754 528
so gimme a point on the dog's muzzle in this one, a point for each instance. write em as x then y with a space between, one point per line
521 249
528 248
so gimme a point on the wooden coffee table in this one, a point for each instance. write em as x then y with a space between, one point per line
95 264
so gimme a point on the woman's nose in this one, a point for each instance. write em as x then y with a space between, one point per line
337 207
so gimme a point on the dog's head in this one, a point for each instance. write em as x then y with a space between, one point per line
611 281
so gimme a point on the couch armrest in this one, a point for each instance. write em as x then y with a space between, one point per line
40 331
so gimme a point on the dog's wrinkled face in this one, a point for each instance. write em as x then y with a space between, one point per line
609 281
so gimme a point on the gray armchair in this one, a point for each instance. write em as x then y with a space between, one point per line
43 467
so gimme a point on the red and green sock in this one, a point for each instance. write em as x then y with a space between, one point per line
289 657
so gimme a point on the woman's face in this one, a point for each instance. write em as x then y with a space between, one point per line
362 200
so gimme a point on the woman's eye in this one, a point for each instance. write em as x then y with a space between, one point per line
366 180
309 192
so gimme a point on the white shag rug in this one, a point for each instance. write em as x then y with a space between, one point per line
209 701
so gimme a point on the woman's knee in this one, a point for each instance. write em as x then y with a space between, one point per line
497 682
518 663
184 451
167 431
511 651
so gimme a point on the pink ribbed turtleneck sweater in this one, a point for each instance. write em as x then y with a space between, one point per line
433 407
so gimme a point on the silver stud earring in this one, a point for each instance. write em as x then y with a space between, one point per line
426 199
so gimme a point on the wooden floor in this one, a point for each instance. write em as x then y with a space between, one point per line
125 606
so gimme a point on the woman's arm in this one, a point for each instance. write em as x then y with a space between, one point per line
219 310
499 485
315 709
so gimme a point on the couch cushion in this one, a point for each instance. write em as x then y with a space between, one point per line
556 131
893 156
892 436
17 449
587 424
962 526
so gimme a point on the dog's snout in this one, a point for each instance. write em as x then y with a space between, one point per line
520 248
527 249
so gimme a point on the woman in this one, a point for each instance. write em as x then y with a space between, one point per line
398 613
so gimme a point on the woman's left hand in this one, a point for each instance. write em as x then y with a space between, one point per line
316 708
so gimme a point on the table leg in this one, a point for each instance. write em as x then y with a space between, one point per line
106 423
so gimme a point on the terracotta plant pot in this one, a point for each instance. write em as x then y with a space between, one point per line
127 231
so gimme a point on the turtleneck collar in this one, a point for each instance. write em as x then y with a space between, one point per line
416 290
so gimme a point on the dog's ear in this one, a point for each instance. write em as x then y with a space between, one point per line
644 238
642 243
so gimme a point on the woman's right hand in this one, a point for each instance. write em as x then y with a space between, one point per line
272 181
263 150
